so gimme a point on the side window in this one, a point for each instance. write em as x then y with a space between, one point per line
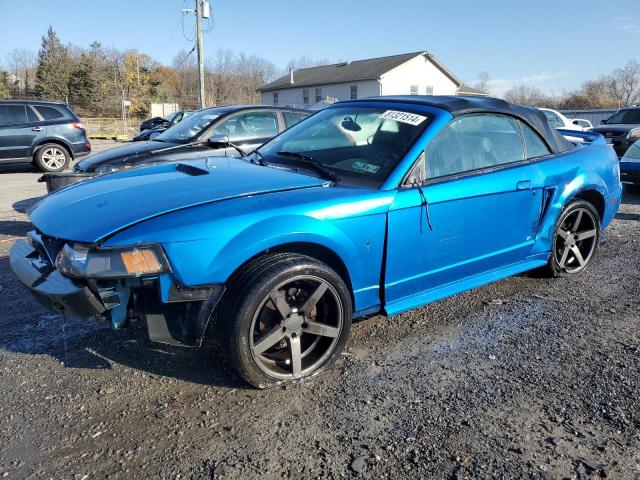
249 126
31 115
554 120
291 118
49 113
12 114
473 142
535 145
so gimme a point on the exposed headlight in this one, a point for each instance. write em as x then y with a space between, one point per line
82 261
634 134
104 169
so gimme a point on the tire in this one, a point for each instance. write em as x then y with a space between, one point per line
574 246
52 157
276 331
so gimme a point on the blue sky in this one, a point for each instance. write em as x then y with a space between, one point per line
554 45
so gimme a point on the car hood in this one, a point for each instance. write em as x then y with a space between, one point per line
120 154
93 210
618 128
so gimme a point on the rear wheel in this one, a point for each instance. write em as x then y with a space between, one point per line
52 157
288 318
575 239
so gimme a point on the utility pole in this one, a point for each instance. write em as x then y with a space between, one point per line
200 52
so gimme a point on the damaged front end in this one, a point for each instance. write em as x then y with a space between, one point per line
116 285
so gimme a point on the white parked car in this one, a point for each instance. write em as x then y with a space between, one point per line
558 120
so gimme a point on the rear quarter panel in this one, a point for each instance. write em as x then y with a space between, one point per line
564 176
62 132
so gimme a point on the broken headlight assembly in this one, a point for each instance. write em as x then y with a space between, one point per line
82 261
104 169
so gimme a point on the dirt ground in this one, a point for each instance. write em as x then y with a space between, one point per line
528 377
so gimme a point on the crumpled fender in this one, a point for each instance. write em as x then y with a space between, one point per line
359 245
562 195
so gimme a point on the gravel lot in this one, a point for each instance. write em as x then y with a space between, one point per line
528 377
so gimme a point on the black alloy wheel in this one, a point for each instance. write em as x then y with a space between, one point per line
576 239
288 317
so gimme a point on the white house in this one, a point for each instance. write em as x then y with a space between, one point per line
418 73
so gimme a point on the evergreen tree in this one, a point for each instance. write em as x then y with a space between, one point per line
5 87
52 72
82 82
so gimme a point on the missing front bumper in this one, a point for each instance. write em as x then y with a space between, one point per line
181 319
50 287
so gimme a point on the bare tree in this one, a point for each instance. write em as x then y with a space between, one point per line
305 62
221 77
21 62
527 95
624 84
484 80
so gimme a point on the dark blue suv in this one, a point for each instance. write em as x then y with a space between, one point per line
44 133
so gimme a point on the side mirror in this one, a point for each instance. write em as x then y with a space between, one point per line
576 122
417 175
218 141
603 121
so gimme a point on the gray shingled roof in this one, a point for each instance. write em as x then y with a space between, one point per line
466 90
369 69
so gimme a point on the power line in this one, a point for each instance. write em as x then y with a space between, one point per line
184 34
185 57
172 36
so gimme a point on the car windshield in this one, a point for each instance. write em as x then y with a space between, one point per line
170 117
189 128
629 116
633 153
362 143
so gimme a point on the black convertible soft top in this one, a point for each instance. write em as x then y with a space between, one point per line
461 105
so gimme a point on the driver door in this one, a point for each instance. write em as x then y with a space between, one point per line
480 199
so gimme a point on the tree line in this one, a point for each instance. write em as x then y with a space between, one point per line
620 88
94 80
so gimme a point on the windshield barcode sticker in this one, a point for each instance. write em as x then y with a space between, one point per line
404 117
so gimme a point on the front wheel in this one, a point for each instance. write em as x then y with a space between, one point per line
575 239
288 317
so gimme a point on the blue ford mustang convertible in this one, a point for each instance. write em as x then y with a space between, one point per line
371 206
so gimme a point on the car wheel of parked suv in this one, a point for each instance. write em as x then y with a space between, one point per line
575 240
288 317
52 157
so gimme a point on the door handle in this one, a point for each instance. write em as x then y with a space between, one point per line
36 129
524 185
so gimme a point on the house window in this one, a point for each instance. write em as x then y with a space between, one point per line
354 92
318 95
305 96
414 89
275 98
428 90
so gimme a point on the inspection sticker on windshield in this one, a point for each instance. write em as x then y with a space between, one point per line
367 167
404 117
